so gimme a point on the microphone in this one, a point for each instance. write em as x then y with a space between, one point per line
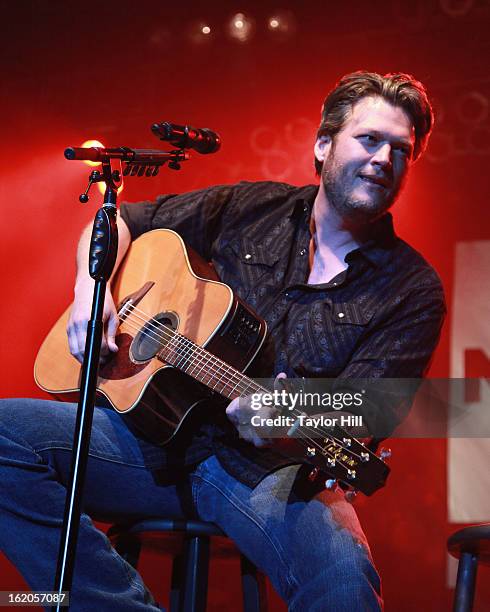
202 140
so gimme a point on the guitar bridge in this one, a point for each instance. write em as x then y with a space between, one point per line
132 300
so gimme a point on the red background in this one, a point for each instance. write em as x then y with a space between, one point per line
73 71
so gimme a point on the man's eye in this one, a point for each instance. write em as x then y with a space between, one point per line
369 137
402 150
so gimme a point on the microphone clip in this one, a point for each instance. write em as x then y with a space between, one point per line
151 167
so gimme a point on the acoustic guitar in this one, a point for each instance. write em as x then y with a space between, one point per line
185 339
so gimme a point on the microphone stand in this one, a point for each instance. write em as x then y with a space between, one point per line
102 257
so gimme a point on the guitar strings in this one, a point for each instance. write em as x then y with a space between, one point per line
209 357
157 325
190 349
327 436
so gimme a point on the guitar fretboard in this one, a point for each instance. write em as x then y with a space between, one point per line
206 368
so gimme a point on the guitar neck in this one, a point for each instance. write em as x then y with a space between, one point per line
206 368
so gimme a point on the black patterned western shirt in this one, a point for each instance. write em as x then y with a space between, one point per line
379 318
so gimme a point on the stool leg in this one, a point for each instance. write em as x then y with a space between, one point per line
253 587
177 583
129 550
465 583
196 574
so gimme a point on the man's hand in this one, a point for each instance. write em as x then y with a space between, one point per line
240 413
79 317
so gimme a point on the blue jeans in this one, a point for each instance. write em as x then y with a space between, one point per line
312 548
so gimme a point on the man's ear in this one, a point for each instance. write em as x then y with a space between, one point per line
322 147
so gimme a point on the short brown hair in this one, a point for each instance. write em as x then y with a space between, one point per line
399 89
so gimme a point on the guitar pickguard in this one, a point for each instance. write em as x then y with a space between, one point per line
120 366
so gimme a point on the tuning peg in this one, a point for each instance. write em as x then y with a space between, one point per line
385 453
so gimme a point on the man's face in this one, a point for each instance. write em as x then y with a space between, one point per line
365 166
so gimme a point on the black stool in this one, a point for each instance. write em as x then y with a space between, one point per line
471 546
189 547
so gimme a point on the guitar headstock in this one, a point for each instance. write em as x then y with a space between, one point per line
341 457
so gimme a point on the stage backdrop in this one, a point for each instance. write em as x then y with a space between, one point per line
76 71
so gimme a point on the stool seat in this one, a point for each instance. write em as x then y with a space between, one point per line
189 527
475 540
167 536
189 543
471 546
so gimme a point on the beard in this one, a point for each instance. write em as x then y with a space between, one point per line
340 189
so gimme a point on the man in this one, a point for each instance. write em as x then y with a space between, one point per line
343 298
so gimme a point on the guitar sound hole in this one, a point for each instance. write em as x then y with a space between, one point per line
154 336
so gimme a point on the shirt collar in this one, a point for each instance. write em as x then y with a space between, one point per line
377 249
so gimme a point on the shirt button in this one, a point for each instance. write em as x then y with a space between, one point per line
341 315
334 284
305 208
248 256
302 252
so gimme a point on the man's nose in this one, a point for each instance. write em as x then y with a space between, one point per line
382 155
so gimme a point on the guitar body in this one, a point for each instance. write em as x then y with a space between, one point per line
169 284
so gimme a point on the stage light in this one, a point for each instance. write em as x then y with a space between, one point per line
91 143
241 27
199 32
282 23
96 143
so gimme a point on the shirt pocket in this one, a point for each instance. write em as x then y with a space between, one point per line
349 313
335 330
252 264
